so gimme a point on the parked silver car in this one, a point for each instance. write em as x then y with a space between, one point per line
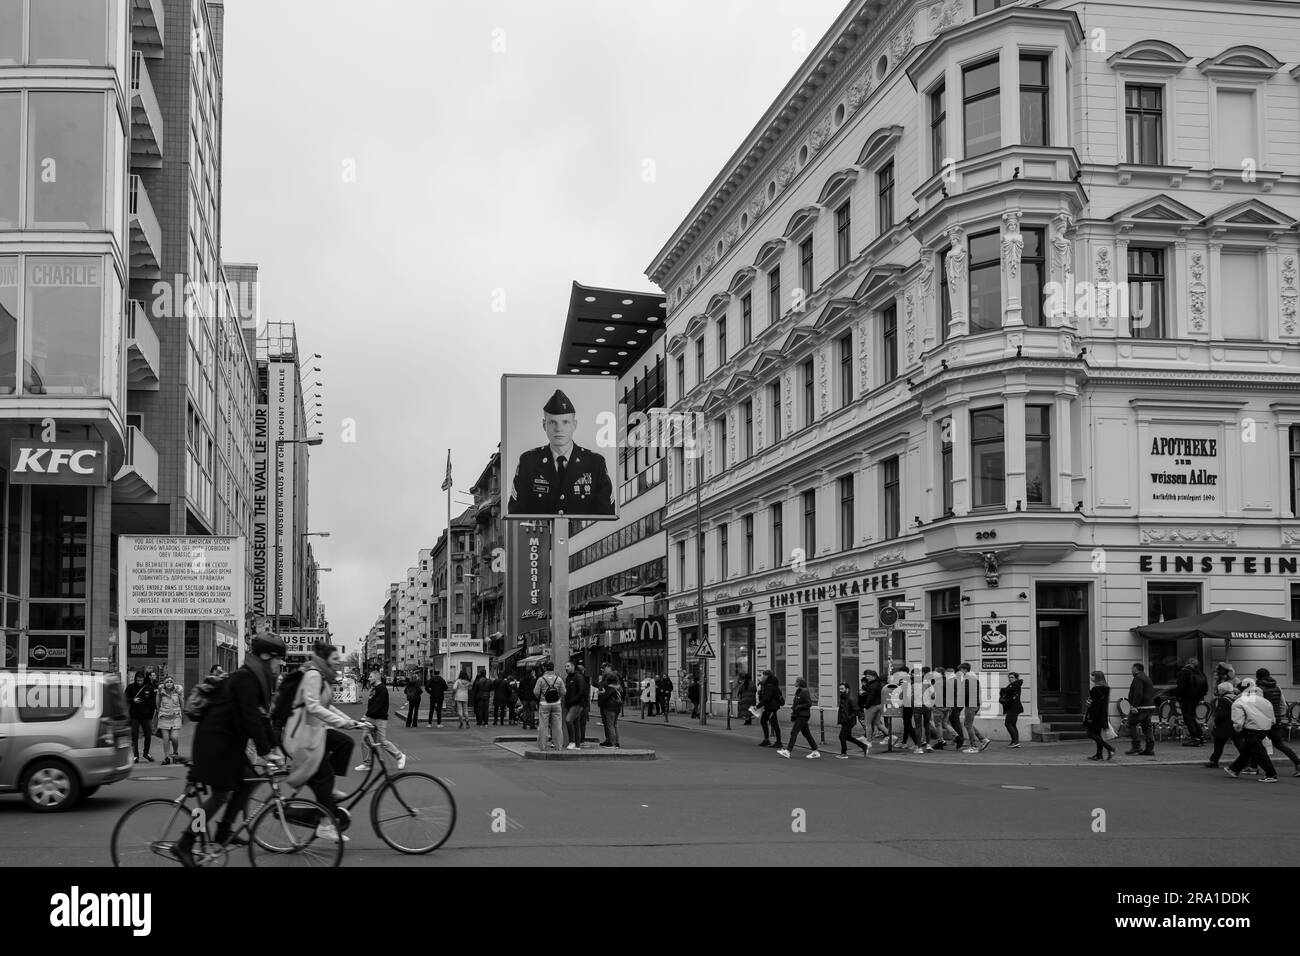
63 735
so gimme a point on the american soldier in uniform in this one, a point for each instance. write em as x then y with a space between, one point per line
560 477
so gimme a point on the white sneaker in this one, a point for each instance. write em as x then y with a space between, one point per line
401 762
841 756
971 750
571 747
339 795
863 740
783 753
327 831
814 755
918 750
361 768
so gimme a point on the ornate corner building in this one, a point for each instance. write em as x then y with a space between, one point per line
994 313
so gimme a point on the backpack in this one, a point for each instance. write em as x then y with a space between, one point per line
552 693
284 704
202 695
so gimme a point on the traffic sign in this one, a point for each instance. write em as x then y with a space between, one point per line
904 605
910 626
706 651
888 615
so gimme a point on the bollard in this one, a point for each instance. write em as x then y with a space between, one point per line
728 713
821 718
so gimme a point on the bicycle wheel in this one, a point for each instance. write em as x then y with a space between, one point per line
283 834
146 833
413 812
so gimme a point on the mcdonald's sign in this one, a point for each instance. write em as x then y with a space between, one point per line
651 629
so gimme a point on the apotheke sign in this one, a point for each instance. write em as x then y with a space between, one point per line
1181 470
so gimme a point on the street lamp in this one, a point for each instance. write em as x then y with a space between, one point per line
314 440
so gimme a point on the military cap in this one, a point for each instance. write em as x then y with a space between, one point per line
559 405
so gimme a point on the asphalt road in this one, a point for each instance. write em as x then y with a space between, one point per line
717 799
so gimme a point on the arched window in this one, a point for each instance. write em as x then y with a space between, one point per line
460 574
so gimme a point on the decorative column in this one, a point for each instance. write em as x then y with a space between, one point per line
928 305
959 411
1062 272
955 262
1013 247
1062 440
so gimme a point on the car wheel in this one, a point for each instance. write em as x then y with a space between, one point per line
50 786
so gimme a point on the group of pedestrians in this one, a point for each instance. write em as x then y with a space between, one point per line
567 701
156 709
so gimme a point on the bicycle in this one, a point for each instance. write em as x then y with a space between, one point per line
412 811
280 832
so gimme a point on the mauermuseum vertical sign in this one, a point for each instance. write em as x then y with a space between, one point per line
261 506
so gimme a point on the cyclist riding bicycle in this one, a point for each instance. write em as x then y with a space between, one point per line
314 737
237 714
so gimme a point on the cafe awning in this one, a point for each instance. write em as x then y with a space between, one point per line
1225 625
535 659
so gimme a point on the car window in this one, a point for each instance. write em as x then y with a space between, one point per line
43 703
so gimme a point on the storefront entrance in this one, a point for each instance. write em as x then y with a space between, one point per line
1062 648
737 652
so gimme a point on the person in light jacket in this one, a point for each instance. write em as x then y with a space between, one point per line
314 737
171 702
463 688
1252 717
647 697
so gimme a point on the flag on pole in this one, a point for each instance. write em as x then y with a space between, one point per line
446 482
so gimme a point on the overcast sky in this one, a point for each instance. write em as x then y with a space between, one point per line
496 146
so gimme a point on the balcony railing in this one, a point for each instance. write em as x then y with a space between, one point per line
137 480
142 349
146 235
147 27
146 117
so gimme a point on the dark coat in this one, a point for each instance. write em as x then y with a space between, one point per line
576 690
693 693
437 688
377 706
1191 685
610 696
770 693
501 692
1268 687
1009 698
1095 718
481 689
746 693
143 699
1142 693
848 711
583 489
802 706
526 695
870 695
239 714
1221 717
413 690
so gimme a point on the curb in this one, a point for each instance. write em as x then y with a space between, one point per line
603 754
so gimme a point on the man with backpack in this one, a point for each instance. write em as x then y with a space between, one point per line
234 714
549 691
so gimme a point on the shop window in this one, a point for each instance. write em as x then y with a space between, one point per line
988 458
945 627
1038 454
890 498
1034 129
846 637
889 342
807 372
985 282
65 160
1168 601
1146 292
1295 645
59 535
1032 266
62 319
10 156
982 108
776 642
811 666
71 32
1144 124
8 322
885 198
843 235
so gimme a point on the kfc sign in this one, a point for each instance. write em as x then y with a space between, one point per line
58 463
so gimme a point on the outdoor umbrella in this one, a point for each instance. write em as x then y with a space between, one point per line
1226 625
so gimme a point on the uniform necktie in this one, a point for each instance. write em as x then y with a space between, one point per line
559 464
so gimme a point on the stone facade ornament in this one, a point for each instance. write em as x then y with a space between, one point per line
1188 535
1291 537
859 91
888 557
708 262
849 568
909 328
1062 247
955 260
758 421
729 237
927 272
731 438
805 577
748 589
756 206
785 173
946 13
1289 295
1196 290
823 382
864 357
771 584
789 403
902 43
820 134
1102 288
1013 246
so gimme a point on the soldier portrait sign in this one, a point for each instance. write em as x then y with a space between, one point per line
559 437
